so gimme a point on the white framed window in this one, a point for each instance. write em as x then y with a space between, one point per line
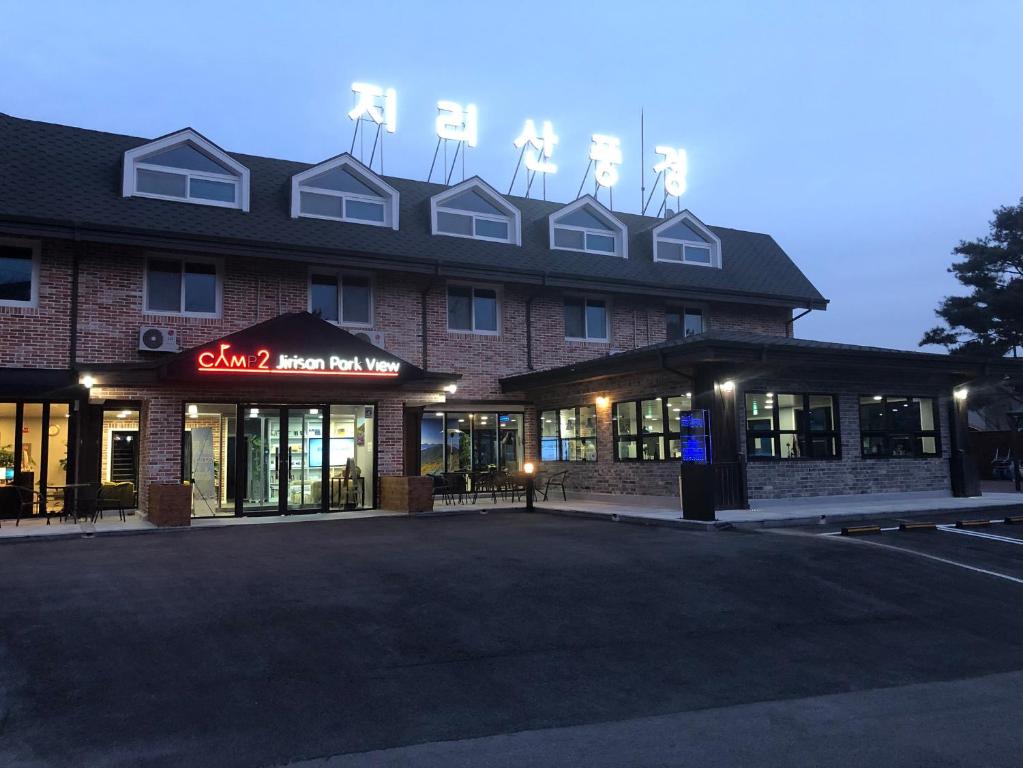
188 168
587 318
476 210
183 286
343 189
19 273
474 309
588 226
344 298
684 239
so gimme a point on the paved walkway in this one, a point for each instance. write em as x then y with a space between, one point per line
31 529
786 512
647 510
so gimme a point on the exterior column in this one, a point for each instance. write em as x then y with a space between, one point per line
963 471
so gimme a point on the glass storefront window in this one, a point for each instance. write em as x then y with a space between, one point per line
459 442
649 429
898 427
791 426
209 457
352 456
462 442
511 450
34 439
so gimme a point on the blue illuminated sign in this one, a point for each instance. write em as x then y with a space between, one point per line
694 435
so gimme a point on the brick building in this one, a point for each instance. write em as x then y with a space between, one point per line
266 330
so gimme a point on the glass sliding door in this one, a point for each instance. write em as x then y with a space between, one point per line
265 456
304 458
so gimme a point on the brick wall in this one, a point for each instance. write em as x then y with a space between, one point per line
40 336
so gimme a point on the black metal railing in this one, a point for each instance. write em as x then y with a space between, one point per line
730 484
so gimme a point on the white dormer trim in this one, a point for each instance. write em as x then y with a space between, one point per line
391 195
621 238
714 242
134 157
514 216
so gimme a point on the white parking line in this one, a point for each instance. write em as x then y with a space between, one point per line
981 535
937 559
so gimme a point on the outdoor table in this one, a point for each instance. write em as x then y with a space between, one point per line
64 488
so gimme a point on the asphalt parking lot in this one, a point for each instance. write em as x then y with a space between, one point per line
508 639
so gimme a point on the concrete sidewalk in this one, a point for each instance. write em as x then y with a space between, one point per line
763 513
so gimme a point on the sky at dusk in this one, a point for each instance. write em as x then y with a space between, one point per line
867 138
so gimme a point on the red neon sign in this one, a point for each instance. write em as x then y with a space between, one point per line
224 360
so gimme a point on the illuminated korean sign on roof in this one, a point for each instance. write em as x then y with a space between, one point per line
536 141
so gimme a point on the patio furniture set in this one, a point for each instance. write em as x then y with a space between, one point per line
468 487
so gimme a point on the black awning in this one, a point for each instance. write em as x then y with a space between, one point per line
39 384
299 346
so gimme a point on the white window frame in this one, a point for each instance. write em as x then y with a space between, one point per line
388 195
606 338
217 263
713 243
35 247
619 231
339 276
473 287
135 159
513 217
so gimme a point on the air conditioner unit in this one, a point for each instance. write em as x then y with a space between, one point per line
154 339
376 338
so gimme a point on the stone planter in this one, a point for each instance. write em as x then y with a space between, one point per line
170 504
406 494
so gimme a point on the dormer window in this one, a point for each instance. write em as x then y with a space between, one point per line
684 239
343 189
587 226
186 167
475 209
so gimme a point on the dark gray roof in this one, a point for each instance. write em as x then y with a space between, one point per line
745 346
58 174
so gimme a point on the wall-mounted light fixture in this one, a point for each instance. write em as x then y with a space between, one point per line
727 386
451 388
960 393
87 381
602 401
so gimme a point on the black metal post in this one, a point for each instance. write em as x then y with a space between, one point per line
530 491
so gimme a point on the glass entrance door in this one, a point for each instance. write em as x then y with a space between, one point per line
284 454
305 459
261 435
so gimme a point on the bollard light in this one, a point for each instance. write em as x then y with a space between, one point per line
530 484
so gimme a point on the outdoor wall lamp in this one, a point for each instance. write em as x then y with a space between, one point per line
727 386
451 388
87 381
602 401
961 393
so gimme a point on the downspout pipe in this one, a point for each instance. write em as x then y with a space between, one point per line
422 302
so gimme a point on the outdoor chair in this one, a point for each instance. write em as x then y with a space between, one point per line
485 483
456 486
119 496
556 480
87 500
1001 466
26 504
